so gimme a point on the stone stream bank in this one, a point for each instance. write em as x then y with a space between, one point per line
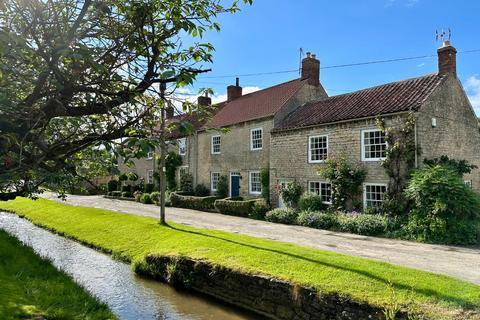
272 298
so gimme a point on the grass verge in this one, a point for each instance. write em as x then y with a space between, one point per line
31 287
132 238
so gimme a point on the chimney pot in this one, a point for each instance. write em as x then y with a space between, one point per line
234 91
447 59
311 69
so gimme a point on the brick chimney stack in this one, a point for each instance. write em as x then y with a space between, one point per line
311 69
204 100
447 59
234 92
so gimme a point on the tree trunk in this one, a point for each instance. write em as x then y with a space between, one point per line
163 151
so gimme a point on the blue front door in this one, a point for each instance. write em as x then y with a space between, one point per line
235 186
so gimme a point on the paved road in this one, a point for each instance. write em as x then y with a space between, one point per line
463 263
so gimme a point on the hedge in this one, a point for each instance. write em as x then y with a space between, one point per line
192 202
235 207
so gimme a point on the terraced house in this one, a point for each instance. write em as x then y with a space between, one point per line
293 127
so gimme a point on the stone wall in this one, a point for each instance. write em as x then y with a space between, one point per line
235 155
269 297
456 133
289 150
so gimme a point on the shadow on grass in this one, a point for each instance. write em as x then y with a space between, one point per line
428 293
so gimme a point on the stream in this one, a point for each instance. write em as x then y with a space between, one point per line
113 282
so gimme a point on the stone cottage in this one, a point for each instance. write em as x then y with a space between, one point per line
445 124
293 127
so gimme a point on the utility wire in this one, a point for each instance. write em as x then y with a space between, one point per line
336 66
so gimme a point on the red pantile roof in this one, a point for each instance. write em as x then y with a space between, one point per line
256 105
193 119
384 99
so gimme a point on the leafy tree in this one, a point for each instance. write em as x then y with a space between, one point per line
461 167
81 73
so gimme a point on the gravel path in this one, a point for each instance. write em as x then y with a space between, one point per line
463 263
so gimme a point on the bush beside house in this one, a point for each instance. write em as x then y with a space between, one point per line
254 208
192 202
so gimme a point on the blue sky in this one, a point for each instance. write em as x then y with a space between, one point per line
266 37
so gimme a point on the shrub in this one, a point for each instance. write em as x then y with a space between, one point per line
155 196
123 177
291 194
445 210
347 222
137 195
116 193
172 161
265 180
146 198
112 185
201 190
126 188
192 202
259 209
311 202
222 187
371 225
235 207
186 183
126 194
316 219
137 187
346 180
287 216
132 176
148 187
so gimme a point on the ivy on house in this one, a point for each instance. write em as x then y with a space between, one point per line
400 161
172 162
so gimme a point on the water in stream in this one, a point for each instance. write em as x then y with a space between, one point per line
113 282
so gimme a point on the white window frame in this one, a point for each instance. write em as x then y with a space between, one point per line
219 144
150 155
180 142
365 191
251 139
468 183
250 182
362 140
320 189
310 148
211 180
152 180
182 168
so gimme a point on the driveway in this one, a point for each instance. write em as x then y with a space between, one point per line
459 262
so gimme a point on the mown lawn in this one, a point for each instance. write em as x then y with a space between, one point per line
31 287
133 237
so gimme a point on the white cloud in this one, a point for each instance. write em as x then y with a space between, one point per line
223 97
473 90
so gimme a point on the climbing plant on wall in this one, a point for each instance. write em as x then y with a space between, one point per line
400 161
346 180
172 162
